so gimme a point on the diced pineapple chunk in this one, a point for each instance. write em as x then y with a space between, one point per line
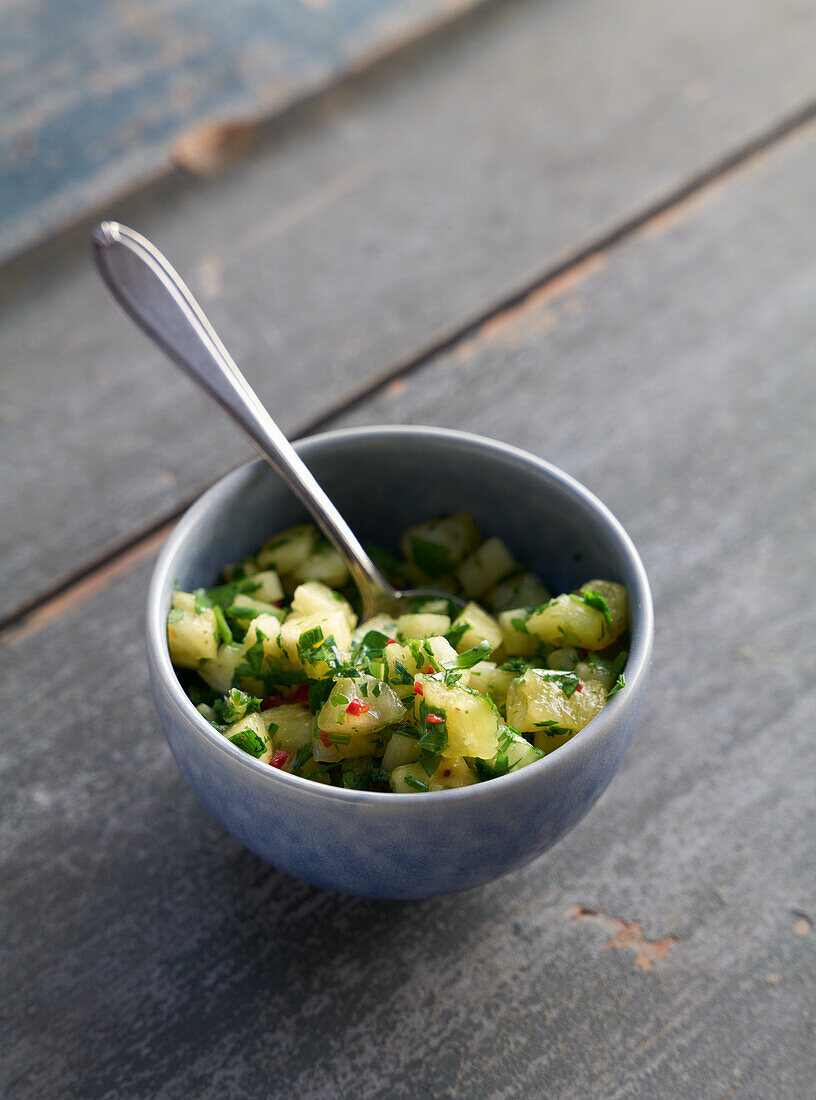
481 628
323 564
485 566
399 750
359 707
250 734
615 596
184 601
518 750
538 704
489 679
568 621
191 638
313 596
382 624
564 659
267 630
246 608
472 722
290 726
412 778
593 668
433 550
269 585
422 625
524 590
287 550
402 668
296 627
219 671
517 641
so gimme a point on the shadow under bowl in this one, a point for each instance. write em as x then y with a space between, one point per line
377 844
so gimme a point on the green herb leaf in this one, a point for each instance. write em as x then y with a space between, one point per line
416 783
596 600
401 675
250 742
617 686
484 769
456 633
570 684
223 627
617 666
175 616
431 557
471 657
319 691
387 564
429 761
552 729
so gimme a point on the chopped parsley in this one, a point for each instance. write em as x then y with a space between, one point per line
431 557
617 686
416 783
596 600
327 670
248 741
457 633
223 628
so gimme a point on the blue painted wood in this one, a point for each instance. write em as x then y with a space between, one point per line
93 94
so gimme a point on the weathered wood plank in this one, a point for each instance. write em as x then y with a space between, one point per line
149 955
97 98
403 207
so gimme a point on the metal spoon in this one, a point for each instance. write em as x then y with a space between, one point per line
152 294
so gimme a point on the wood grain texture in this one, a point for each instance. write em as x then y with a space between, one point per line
96 98
391 215
148 955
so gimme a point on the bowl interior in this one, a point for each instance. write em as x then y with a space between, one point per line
383 480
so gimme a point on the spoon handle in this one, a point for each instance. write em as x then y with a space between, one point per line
152 294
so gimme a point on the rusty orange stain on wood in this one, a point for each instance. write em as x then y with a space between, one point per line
396 388
648 951
803 925
213 146
534 314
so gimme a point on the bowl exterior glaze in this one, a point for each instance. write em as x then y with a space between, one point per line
403 846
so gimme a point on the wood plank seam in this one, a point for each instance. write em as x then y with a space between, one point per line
651 220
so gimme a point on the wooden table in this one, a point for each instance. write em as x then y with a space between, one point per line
586 227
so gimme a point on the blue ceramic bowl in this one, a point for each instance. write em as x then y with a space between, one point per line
387 845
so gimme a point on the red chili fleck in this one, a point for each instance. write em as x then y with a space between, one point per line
299 695
446 772
357 706
278 758
324 737
428 670
580 687
391 641
271 701
419 689
435 719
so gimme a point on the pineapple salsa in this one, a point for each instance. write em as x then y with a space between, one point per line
276 659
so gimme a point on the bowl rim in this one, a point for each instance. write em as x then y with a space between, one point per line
637 665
